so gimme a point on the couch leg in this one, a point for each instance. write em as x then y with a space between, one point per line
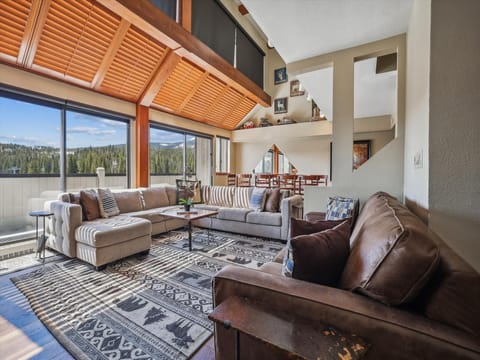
144 253
101 267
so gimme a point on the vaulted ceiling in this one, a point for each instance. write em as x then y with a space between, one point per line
130 50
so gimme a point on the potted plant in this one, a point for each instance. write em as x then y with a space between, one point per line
187 203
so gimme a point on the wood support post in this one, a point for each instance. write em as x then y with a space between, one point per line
186 15
142 127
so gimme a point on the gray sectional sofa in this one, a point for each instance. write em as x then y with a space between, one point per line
233 218
103 240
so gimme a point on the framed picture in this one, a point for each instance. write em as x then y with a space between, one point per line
280 105
280 75
361 152
295 88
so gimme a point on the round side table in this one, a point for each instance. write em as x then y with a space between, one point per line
41 241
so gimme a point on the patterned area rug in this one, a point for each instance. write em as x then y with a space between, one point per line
151 307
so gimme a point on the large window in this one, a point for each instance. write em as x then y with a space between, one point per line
48 146
95 141
216 27
222 163
176 154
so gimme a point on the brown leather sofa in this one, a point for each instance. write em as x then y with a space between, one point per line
395 259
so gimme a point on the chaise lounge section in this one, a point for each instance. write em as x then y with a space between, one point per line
102 240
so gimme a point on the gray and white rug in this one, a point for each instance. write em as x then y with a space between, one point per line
151 307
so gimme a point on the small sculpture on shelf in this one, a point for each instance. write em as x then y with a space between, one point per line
248 124
264 122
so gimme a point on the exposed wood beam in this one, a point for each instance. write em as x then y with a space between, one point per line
110 54
242 9
186 15
33 31
165 68
147 17
142 128
192 92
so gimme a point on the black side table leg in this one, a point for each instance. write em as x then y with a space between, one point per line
189 235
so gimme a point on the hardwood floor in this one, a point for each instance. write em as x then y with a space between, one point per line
23 335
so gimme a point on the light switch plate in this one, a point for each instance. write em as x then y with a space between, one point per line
418 159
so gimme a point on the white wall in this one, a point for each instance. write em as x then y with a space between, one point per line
417 103
454 172
384 171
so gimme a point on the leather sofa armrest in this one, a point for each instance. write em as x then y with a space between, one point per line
378 324
287 208
61 226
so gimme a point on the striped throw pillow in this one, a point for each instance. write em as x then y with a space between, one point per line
221 196
107 203
241 198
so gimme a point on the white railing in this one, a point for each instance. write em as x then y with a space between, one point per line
20 195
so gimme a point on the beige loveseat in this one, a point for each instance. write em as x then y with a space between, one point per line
104 240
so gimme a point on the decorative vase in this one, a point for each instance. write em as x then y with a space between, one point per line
187 207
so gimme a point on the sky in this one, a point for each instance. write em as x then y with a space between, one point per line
34 125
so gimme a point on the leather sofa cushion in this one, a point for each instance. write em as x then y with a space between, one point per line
280 256
453 293
320 257
114 230
128 201
264 218
392 254
271 267
154 197
235 214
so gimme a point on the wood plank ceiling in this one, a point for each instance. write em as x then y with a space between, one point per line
117 53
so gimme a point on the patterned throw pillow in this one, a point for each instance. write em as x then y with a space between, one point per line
107 203
339 208
257 199
189 189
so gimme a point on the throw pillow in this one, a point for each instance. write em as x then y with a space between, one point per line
107 203
257 199
89 203
75 199
189 189
393 254
221 196
319 257
339 208
272 200
241 197
303 227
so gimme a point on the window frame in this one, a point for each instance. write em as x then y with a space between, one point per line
219 169
184 133
64 106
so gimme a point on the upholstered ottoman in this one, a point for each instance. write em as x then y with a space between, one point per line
102 241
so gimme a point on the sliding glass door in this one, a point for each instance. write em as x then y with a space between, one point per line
178 154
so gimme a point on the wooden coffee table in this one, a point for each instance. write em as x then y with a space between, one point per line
189 216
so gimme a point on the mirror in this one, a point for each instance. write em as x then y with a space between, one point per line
375 105
274 161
